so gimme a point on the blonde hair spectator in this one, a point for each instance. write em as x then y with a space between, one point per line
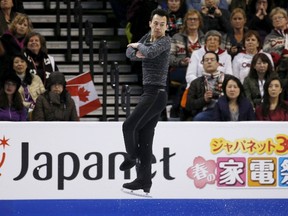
278 10
20 18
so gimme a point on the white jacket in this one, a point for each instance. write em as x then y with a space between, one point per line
195 66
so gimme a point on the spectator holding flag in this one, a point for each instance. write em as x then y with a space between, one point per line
56 103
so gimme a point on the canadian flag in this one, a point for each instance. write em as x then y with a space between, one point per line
83 92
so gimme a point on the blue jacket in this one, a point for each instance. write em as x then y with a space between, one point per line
222 112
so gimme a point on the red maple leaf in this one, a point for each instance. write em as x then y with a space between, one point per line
83 94
4 142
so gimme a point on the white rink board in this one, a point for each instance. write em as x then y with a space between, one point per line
36 149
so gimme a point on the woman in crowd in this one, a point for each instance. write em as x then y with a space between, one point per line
261 69
56 103
183 44
275 41
242 61
11 105
234 40
36 52
233 106
12 41
190 38
273 108
31 85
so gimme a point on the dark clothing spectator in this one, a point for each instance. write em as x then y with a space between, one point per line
11 104
18 6
258 17
223 113
56 103
215 18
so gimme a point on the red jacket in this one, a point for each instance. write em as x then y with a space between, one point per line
279 114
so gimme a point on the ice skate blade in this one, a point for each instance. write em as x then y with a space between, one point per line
136 193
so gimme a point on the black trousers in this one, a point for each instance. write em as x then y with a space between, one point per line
138 128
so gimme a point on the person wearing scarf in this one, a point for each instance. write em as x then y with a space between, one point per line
205 90
35 50
55 104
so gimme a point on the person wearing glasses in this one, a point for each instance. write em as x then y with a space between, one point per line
183 44
205 90
275 41
153 49
212 43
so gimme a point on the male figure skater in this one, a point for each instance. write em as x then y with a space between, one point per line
153 50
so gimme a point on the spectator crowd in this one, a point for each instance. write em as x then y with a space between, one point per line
228 61
228 58
31 87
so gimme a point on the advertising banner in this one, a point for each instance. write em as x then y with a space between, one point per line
203 160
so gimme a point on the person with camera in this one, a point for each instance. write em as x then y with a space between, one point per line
234 40
204 91
215 18
176 10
